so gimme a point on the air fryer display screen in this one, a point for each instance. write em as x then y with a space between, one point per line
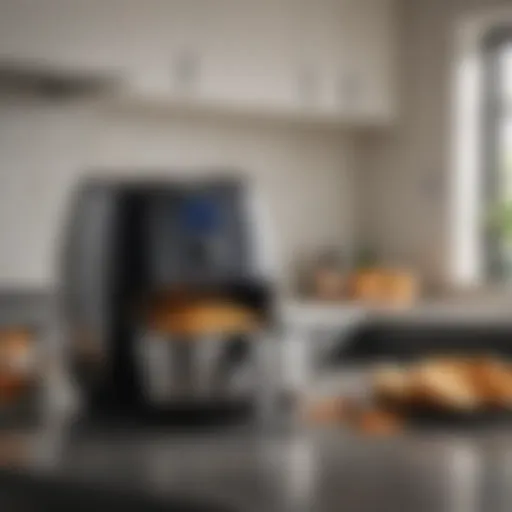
200 216
196 235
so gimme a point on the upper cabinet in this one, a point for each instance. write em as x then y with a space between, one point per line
60 35
369 77
327 59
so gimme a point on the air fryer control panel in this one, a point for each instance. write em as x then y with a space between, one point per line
197 235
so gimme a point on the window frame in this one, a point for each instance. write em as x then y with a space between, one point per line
493 44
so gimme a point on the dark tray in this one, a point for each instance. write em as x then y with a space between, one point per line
426 417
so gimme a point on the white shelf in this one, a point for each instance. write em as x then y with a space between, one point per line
169 105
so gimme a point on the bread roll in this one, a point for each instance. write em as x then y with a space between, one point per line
391 383
204 318
492 379
444 384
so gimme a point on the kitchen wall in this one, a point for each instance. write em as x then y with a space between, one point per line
304 174
405 185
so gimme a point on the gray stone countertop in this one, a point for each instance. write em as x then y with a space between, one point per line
291 470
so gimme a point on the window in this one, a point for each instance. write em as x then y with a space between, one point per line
497 155
480 159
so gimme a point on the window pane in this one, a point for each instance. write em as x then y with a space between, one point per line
498 181
505 124
506 73
505 158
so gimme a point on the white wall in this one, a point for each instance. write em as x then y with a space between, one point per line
40 149
304 174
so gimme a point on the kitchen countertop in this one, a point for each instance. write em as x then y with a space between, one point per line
293 469
40 307
313 313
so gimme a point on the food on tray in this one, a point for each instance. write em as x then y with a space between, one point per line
379 422
16 363
15 348
329 411
457 383
493 379
445 385
203 317
384 286
391 383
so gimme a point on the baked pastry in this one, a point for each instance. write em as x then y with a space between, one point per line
15 351
391 384
492 379
204 318
444 384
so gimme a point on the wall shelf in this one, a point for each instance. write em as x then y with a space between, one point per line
167 105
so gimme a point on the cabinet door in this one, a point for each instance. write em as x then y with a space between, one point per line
318 47
247 52
169 47
83 36
365 80
345 48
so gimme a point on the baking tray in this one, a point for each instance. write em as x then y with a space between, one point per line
353 382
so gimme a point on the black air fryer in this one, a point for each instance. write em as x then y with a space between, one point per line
128 242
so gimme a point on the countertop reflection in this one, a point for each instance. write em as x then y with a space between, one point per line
287 470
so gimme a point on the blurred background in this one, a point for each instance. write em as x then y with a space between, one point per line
377 137
359 121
